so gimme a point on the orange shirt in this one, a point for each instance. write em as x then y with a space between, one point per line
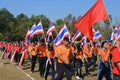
50 53
104 55
32 51
86 52
37 48
94 50
79 55
41 51
64 52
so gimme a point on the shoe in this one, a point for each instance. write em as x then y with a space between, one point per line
77 77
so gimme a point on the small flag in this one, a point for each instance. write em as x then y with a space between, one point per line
61 35
51 28
76 35
38 30
97 35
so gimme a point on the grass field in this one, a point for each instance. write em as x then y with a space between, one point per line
11 71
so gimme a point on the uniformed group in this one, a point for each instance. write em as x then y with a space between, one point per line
68 59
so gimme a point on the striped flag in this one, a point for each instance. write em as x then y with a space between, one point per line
61 35
97 35
111 37
13 55
22 58
27 37
51 28
38 30
76 35
31 30
84 40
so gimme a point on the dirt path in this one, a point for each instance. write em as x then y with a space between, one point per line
10 72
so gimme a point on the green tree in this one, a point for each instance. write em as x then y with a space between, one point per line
109 21
59 22
1 36
5 22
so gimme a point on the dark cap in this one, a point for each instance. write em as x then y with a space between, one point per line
42 40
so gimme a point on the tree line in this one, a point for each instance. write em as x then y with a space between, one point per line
14 28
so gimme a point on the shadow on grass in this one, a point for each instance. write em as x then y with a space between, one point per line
6 63
26 68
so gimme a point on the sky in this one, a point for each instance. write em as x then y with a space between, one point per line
58 9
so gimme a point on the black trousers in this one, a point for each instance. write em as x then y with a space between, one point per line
61 68
94 59
16 57
88 63
78 66
47 69
33 62
42 62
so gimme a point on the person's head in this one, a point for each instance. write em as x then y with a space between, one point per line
42 41
104 44
66 41
50 46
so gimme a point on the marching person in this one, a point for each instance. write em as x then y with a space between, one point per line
17 49
79 61
40 49
94 52
87 57
104 65
64 56
32 52
116 61
50 61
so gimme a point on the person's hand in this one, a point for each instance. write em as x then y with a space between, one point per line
82 60
66 62
50 62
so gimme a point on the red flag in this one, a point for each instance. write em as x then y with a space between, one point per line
95 14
